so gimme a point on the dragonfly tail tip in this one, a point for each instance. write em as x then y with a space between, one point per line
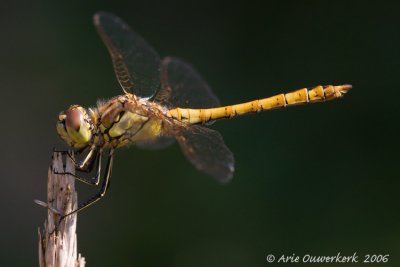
342 89
346 87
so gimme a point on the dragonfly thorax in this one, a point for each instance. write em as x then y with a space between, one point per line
75 127
127 119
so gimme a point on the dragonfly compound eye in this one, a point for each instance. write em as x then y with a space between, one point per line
74 127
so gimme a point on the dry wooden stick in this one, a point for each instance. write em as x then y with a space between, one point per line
59 248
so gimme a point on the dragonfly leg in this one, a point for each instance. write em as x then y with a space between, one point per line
94 156
66 152
86 165
104 186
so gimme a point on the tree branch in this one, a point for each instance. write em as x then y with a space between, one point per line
59 248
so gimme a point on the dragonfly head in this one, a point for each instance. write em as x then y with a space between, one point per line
75 127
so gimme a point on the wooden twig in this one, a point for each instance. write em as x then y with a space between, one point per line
59 248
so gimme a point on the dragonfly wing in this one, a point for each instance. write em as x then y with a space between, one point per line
182 86
136 64
159 143
207 151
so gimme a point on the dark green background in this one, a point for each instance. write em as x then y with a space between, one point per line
317 179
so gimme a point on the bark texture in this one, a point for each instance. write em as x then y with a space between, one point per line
59 248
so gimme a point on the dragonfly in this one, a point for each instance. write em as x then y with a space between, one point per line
162 100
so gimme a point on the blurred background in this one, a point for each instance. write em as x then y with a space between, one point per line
317 179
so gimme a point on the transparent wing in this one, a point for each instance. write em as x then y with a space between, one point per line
207 151
182 86
136 64
159 143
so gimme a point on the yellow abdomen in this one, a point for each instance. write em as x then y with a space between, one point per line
301 96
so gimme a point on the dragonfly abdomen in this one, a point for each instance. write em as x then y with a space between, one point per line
298 97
